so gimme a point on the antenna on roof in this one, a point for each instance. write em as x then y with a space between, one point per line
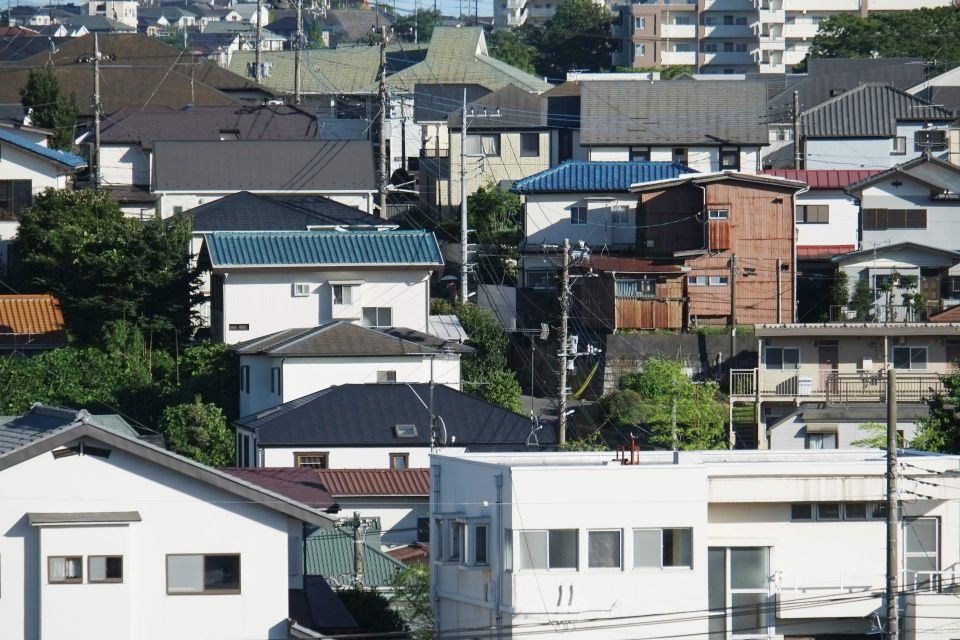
535 426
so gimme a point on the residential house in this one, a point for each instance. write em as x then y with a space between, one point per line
27 167
707 125
164 19
943 90
906 282
67 31
824 79
915 201
813 425
432 104
873 126
722 225
122 11
93 24
252 12
186 174
839 366
721 548
331 556
247 33
105 535
381 426
828 224
354 26
30 323
128 137
293 363
506 139
265 282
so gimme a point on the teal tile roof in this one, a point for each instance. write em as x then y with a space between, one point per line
593 177
329 553
310 248
70 160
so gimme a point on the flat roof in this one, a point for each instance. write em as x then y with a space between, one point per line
858 329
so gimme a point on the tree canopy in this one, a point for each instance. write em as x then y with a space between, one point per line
50 108
421 20
105 267
513 47
940 431
411 599
198 430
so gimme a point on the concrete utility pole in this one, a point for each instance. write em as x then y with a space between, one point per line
464 255
383 174
564 338
257 60
733 307
95 176
796 131
358 529
297 46
893 565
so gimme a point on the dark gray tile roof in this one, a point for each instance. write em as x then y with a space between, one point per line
508 108
269 122
869 110
434 102
317 607
245 211
357 415
351 25
682 112
264 165
42 420
345 339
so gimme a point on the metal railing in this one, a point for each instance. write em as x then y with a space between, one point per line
830 386
933 581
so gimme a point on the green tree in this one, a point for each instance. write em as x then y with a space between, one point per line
209 370
577 37
50 108
104 267
495 216
421 20
840 289
513 47
411 599
875 437
198 431
315 35
666 73
666 395
593 442
862 300
940 431
371 610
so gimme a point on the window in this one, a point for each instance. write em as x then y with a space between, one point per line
229 134
344 294
639 50
508 549
820 441
456 541
636 288
480 544
301 289
399 460
697 281
801 512
619 214
405 431
719 281
909 357
276 381
921 557
899 146
377 317
639 23
730 158
64 569
177 211
203 574
245 378
778 358
883 219
813 214
105 569
541 280
386 377
553 549
311 460
748 590
718 214
658 548
423 529
855 511
238 327
828 511
578 215
932 139
603 549
684 47
487 144
680 155
639 154
529 145
682 20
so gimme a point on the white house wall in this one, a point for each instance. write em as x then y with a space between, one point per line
17 164
179 515
791 434
264 300
124 165
844 220
353 457
943 217
547 219
702 159
860 153
398 515
169 201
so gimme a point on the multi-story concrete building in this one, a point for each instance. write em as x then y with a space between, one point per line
730 36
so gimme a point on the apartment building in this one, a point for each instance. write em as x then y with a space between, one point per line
716 544
732 36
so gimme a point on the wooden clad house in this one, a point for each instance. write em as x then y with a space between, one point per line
724 229
632 293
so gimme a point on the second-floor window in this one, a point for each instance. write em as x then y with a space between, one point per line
729 158
619 214
344 294
639 23
909 357
548 549
639 154
883 219
578 215
899 146
486 144
779 358
311 459
661 548
813 214
529 145
377 317
245 378
680 155
603 549
399 460
718 214
636 288
212 574
15 196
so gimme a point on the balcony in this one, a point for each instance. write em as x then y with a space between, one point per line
727 5
735 58
831 387
678 31
770 16
801 30
771 43
740 31
678 57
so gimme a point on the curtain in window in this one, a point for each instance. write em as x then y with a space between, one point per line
185 574
58 569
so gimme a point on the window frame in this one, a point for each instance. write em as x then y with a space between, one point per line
400 430
384 375
205 591
721 213
821 214
325 455
718 281
301 289
620 550
547 567
276 381
783 362
726 151
824 518
475 547
377 312
619 214
910 358
346 291
819 435
405 457
66 580
899 146
105 580
660 552
525 148
245 378
797 518
578 215
698 281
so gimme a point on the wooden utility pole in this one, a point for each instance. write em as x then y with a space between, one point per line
257 60
733 308
893 566
464 254
297 46
796 131
564 338
383 173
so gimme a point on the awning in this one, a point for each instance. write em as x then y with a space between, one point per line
83 517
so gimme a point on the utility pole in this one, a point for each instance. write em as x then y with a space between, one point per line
733 308
796 130
564 339
893 566
384 169
257 61
779 301
95 176
358 529
464 256
674 436
297 46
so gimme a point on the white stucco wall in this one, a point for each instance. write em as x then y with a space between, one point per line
303 376
844 220
861 153
124 164
398 515
179 515
362 200
791 434
547 219
943 217
264 300
16 164
701 159
352 457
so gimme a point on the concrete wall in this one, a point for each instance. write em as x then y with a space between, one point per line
547 219
398 515
863 153
792 433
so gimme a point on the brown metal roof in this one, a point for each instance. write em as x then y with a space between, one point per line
824 178
296 483
632 265
948 315
31 321
411 553
375 482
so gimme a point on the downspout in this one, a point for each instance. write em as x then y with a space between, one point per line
793 266
498 563
703 213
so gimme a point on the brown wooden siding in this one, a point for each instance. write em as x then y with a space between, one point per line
718 235
601 309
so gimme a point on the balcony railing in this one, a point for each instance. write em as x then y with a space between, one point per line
864 386
827 582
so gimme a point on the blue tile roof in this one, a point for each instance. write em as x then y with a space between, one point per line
307 248
592 177
62 157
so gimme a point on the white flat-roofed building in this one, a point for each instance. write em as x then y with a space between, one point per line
719 544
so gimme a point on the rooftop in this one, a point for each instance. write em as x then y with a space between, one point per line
69 160
855 329
31 321
597 177
824 178
321 248
330 553
717 176
297 483
375 482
